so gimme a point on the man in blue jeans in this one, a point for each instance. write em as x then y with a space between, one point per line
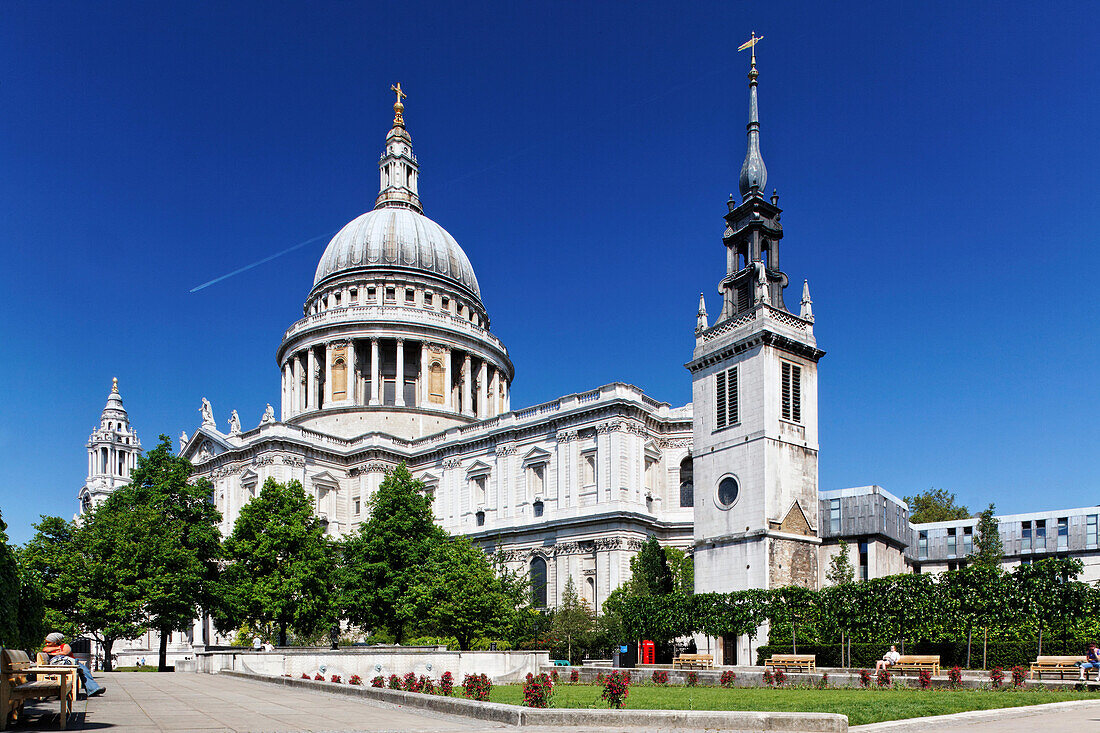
61 653
1092 661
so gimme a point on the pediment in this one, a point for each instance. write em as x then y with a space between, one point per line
652 450
204 445
325 480
796 523
478 468
536 455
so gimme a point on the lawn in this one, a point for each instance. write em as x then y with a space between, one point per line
861 706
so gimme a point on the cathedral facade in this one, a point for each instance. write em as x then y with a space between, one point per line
394 361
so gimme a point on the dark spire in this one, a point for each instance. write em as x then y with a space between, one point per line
754 174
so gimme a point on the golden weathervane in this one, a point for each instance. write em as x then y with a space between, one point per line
751 43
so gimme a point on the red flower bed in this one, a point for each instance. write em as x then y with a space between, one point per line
864 678
306 676
996 676
925 679
477 687
378 681
319 677
660 677
884 678
727 678
574 676
955 675
446 684
411 683
1019 674
395 682
355 680
335 678
615 689
692 679
537 691
823 683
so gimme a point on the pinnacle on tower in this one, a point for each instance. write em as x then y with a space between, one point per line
701 319
807 312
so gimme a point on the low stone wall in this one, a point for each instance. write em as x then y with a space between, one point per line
654 720
368 662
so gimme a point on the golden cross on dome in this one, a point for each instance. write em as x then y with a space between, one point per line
751 43
398 107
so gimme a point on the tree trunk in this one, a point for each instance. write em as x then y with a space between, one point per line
107 643
282 633
842 649
969 631
794 638
569 646
1040 640
162 657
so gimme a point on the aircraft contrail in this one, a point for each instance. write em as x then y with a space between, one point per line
257 263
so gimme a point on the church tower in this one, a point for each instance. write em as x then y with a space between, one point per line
113 448
754 392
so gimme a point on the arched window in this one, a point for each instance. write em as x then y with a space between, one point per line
538 582
339 378
435 383
687 483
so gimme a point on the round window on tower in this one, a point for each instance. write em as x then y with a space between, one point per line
728 490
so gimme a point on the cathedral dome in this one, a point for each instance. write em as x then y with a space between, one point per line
398 238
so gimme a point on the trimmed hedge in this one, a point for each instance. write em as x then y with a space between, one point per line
1004 654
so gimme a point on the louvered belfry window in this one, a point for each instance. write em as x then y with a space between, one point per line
792 392
726 398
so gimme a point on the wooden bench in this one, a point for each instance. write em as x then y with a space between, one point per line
703 661
19 682
917 663
1059 665
797 662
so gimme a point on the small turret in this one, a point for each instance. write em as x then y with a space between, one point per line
807 312
701 319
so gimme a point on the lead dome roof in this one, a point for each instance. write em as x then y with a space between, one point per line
400 238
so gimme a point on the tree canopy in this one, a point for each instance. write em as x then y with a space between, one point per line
935 505
988 546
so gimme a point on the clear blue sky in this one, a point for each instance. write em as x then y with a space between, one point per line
937 163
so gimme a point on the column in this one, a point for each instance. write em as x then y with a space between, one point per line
328 373
423 392
482 391
352 375
448 401
399 381
507 395
494 404
287 380
311 380
297 385
374 370
467 407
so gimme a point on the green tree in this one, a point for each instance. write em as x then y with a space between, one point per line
455 593
793 605
381 559
990 549
573 619
651 573
840 570
9 591
976 595
682 567
935 505
280 569
1046 593
183 544
49 556
106 568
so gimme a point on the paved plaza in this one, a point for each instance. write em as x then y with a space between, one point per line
152 703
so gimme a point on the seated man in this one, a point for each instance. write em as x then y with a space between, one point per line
61 653
888 660
1092 661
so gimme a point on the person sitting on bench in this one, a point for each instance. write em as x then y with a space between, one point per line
1092 661
61 653
888 660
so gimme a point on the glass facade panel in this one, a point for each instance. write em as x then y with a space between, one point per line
1090 530
1063 533
834 516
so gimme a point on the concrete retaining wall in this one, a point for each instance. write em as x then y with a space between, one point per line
653 720
367 662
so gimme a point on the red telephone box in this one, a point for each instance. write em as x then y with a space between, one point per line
649 653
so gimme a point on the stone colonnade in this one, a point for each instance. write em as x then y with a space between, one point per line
396 372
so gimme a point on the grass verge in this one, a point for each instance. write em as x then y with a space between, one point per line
861 706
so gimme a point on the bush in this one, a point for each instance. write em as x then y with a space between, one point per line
574 676
306 676
884 678
427 686
446 684
599 678
335 678
824 681
1004 654
355 680
537 691
319 677
864 678
925 679
395 682
378 681
780 677
660 677
996 676
955 676
411 683
769 676
477 687
616 687
554 677
727 678
1019 674
692 679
